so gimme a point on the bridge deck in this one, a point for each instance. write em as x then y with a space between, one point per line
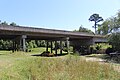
7 31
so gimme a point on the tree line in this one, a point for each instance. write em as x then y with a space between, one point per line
5 23
109 26
8 44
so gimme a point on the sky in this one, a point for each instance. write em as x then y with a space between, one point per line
56 14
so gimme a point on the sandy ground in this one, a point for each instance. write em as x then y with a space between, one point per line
102 61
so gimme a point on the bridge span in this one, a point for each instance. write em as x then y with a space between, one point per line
19 35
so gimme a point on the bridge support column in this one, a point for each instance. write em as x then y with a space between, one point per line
23 42
46 46
16 44
20 44
60 46
56 47
13 46
68 44
51 47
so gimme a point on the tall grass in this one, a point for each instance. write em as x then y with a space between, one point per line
61 68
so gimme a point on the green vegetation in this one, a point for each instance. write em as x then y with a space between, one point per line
23 66
96 18
6 23
110 25
5 44
101 45
100 48
82 29
114 40
37 50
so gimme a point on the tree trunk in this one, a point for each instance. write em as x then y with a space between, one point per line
95 27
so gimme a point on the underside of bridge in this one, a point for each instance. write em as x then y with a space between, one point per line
19 35
19 41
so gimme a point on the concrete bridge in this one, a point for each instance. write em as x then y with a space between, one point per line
19 35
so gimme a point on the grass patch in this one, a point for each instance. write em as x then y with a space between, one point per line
26 67
5 52
38 50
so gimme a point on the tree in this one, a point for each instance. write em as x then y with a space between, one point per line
5 44
4 23
114 37
114 40
110 25
104 28
13 24
96 18
82 29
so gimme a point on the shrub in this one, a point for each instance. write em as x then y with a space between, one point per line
109 50
114 40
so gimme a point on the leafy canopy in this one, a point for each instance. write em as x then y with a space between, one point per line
96 18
